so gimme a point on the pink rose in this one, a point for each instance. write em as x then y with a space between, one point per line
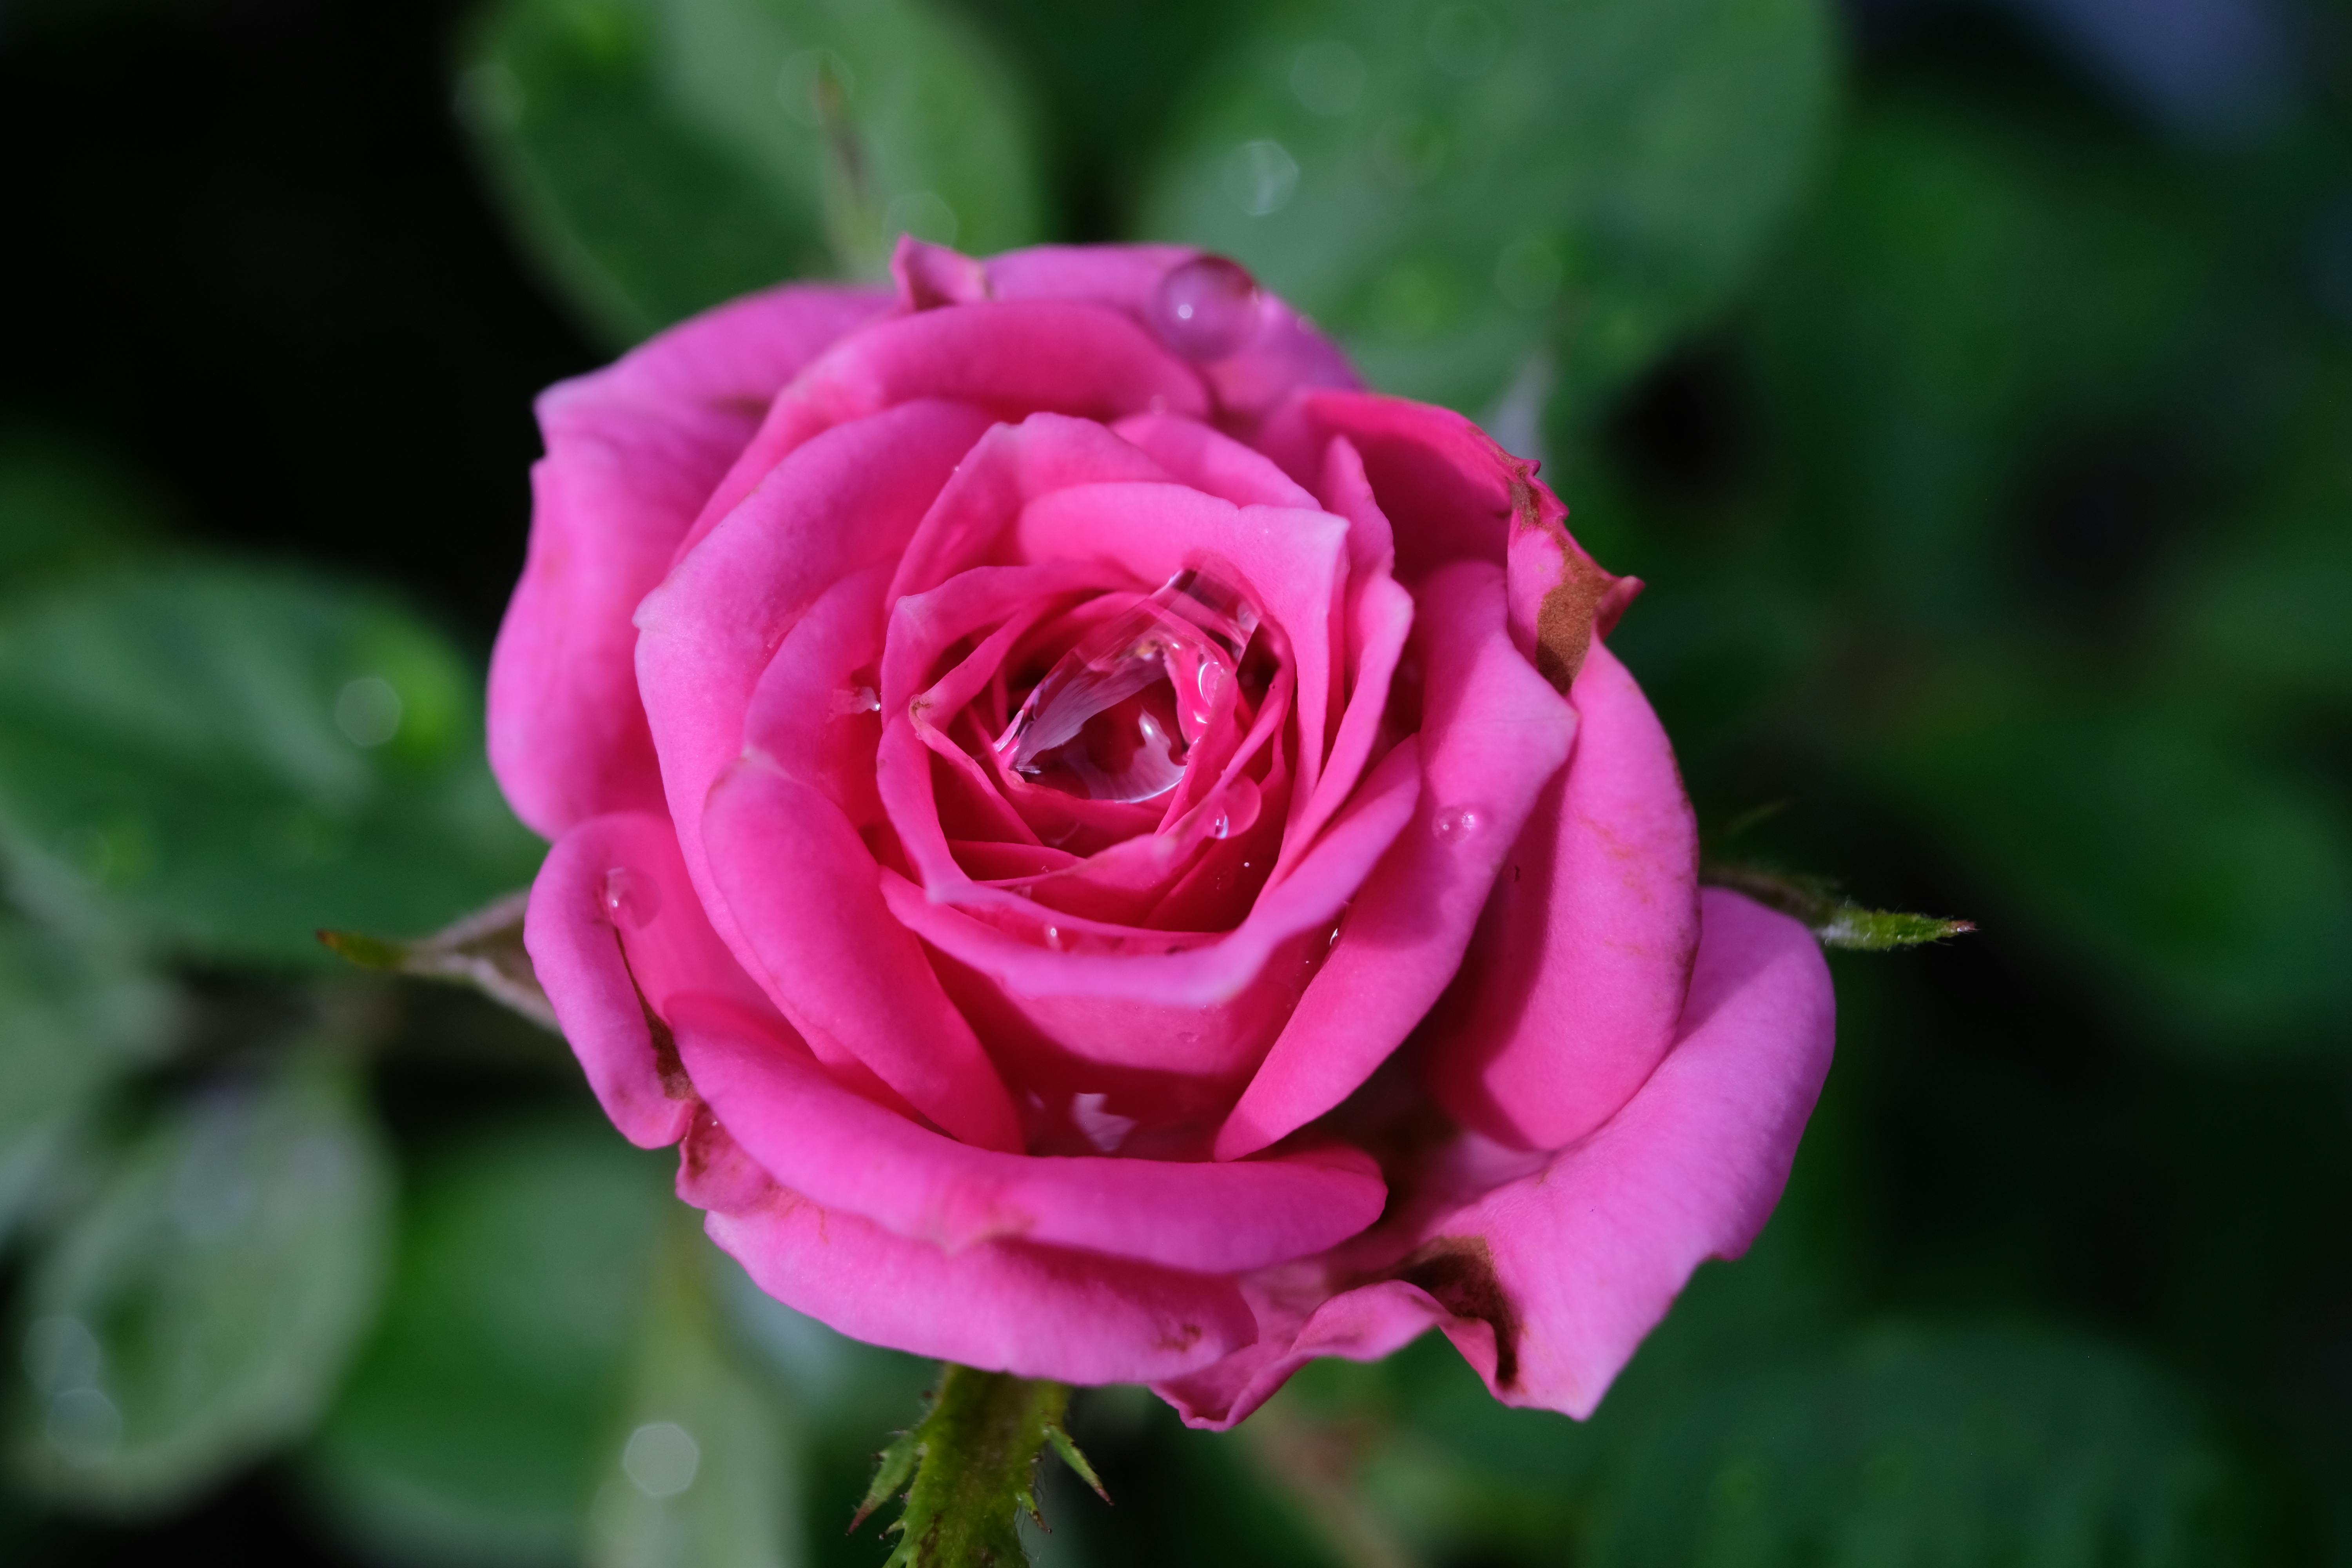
1023 752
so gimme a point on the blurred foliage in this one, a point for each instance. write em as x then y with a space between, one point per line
1460 191
662 155
1984 442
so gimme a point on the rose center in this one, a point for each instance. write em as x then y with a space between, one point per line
1119 715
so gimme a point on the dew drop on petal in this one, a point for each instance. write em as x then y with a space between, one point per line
1206 308
855 699
630 900
1455 823
1220 825
1053 937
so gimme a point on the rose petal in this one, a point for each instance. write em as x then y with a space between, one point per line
633 452
1193 454
1492 735
1575 979
1443 484
801 886
1547 1283
596 962
848 499
1003 1306
851 1156
1016 359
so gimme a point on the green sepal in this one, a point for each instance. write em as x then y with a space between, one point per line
1833 917
967 1469
484 950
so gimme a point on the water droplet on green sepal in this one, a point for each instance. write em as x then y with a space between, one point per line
1833 917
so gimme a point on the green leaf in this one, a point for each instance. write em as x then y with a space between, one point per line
968 1470
1449 186
702 1468
199 1313
74 1015
660 156
483 950
1835 918
476 1421
1932 1447
227 760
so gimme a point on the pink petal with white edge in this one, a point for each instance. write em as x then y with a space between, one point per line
852 1156
1547 1283
1493 734
613 917
1016 359
633 452
801 885
1574 982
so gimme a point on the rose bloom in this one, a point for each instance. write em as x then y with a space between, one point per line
1122 855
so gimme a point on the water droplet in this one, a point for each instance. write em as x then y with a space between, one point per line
1100 1127
660 1458
1188 1036
855 699
1207 308
367 710
1454 824
629 899
1220 824
1115 719
1053 937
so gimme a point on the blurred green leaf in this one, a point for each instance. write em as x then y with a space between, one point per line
476 1423
73 1015
2213 894
2265 611
199 1313
1918 1446
1960 293
231 759
660 156
703 1471
1449 186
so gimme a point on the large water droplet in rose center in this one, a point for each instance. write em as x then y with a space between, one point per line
1118 716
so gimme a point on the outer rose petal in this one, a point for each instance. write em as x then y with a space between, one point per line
632 453
847 499
1579 1260
1013 359
595 967
851 1155
1573 984
801 887
1009 1305
1492 735
1284 354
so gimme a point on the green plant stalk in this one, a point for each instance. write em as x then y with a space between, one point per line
968 1470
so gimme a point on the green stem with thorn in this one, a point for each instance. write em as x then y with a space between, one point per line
968 1470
